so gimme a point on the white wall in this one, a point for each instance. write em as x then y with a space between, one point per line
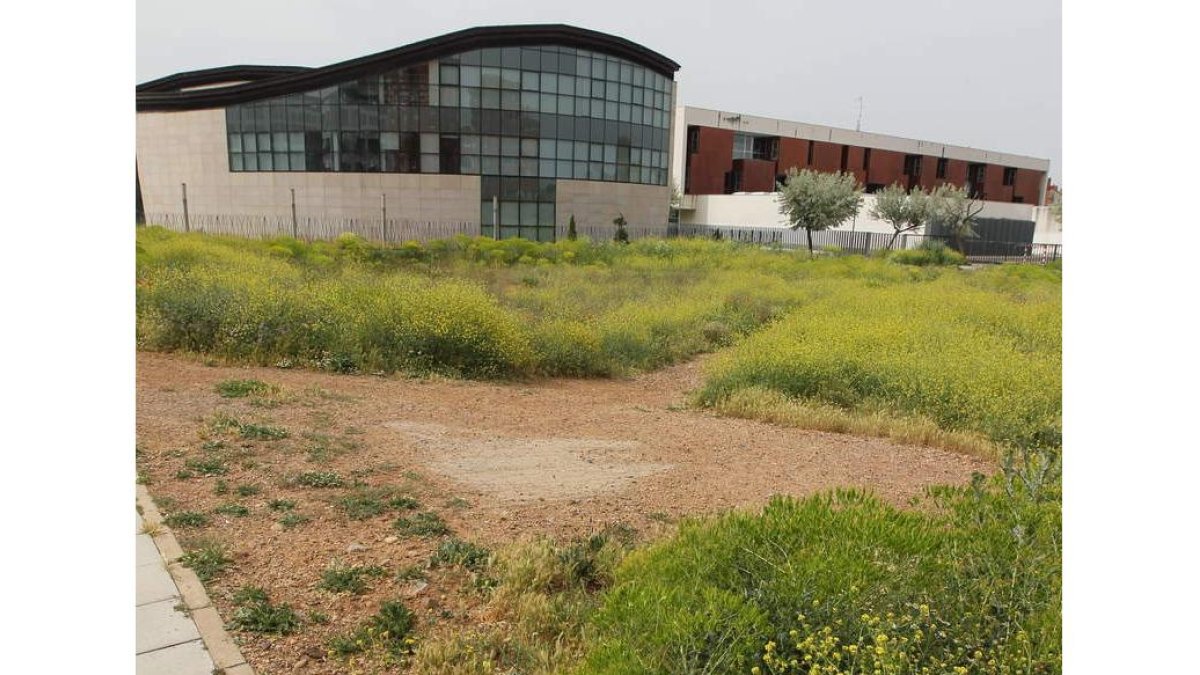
761 209
1047 230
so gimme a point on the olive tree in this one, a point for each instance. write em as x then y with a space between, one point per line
817 201
954 209
906 211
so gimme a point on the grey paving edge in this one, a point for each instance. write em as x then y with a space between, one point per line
224 651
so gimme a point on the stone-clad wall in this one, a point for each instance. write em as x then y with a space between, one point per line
190 147
595 204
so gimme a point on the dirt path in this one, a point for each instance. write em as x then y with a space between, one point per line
497 462
611 449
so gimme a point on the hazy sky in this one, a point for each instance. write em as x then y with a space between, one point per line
986 75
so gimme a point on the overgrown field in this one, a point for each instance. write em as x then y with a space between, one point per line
466 307
966 581
973 354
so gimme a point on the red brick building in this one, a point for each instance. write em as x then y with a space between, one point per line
727 153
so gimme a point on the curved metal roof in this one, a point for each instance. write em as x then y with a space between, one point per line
269 81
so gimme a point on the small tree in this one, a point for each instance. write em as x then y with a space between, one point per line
621 237
818 201
906 211
1056 206
571 235
954 209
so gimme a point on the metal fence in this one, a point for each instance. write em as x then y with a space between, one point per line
393 230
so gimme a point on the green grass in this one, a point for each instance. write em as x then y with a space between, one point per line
186 519
246 490
387 631
339 578
255 613
369 502
292 519
236 510
541 596
423 524
207 466
208 559
262 432
977 569
244 388
320 479
455 551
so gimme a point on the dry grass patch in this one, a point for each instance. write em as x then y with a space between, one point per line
768 405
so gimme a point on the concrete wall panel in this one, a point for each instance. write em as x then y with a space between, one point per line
595 204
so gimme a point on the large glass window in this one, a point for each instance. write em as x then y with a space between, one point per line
508 114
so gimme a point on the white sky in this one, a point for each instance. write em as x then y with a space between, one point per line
985 75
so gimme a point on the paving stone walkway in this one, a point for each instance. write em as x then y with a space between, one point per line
168 642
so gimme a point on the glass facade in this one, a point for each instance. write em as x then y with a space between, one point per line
520 117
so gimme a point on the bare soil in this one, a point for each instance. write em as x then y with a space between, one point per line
497 461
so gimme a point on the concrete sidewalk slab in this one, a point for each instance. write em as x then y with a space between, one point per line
153 587
182 659
177 632
160 625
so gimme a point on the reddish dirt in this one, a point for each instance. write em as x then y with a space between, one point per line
498 462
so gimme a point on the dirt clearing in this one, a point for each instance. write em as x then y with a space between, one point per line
495 462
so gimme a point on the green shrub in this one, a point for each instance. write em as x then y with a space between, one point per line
929 253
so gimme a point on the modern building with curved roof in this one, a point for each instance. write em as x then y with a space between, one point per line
502 130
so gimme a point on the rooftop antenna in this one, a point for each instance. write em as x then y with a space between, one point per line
858 124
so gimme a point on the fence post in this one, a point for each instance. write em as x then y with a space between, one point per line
383 200
295 228
187 225
496 217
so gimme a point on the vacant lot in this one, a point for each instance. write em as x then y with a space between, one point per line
380 457
562 458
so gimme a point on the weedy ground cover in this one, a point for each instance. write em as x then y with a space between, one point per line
468 307
948 361
842 583
969 580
